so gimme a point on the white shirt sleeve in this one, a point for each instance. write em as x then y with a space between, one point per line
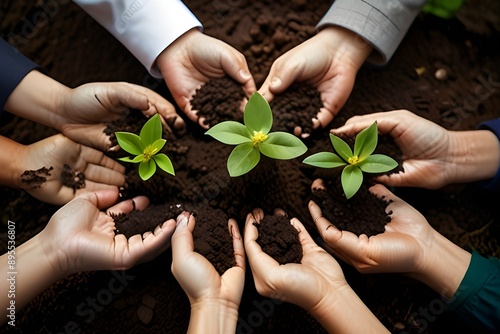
383 23
144 27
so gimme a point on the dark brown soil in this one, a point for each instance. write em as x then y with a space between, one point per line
72 179
74 49
278 238
212 103
32 179
213 240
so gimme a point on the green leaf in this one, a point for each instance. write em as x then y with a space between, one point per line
324 160
258 115
352 178
130 142
158 144
282 145
230 133
151 131
341 147
242 159
164 163
377 163
366 142
147 169
134 160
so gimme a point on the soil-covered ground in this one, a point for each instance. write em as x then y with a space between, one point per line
74 49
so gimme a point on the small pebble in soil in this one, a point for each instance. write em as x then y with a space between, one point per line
441 74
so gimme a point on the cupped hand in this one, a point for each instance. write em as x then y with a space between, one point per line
404 247
305 284
195 58
329 61
80 237
428 161
197 276
100 171
89 107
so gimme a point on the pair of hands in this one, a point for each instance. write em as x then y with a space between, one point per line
407 246
194 58
81 115
80 237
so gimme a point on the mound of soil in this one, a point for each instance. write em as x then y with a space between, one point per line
70 47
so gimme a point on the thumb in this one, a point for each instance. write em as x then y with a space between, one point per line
101 199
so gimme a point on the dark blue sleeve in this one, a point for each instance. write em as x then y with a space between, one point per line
13 68
493 126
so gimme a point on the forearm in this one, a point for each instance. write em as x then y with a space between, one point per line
444 266
11 162
475 155
213 317
343 312
25 275
38 98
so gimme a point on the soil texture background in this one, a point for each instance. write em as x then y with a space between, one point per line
72 48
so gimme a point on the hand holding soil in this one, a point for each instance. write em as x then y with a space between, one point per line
329 61
214 299
192 60
79 237
89 107
409 245
316 284
433 156
56 169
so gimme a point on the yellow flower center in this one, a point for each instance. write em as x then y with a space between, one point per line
258 137
353 160
149 152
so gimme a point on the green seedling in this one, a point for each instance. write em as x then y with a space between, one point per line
354 164
145 148
253 138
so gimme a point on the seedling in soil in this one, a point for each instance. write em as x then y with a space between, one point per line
354 164
253 138
145 148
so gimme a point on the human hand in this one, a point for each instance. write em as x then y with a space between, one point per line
409 245
317 284
100 171
329 61
433 157
89 107
195 58
80 237
214 295
292 282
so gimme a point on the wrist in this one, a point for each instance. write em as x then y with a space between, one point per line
352 47
475 155
13 163
341 311
213 316
181 44
443 265
39 98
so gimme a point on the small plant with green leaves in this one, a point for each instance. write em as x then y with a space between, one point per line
253 138
354 163
146 148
